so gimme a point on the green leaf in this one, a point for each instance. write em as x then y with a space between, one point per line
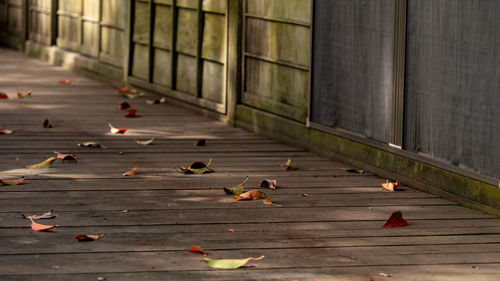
11 181
146 142
196 168
45 164
236 189
229 263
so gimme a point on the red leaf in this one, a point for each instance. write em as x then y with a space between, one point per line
201 142
251 195
6 131
231 230
131 172
46 124
395 220
268 184
197 249
39 227
127 91
116 130
131 113
11 181
65 82
87 237
124 105
3 95
391 186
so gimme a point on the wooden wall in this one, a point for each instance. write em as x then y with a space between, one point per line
12 23
179 47
276 54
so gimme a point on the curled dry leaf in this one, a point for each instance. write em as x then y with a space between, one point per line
236 189
131 172
196 168
201 142
6 131
131 113
229 263
396 220
48 215
197 249
146 142
3 95
162 100
287 165
45 164
268 184
125 90
124 105
65 82
66 157
358 171
87 237
251 195
46 124
114 130
11 181
91 144
39 227
391 186
130 93
23 96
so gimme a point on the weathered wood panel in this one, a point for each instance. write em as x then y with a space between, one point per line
140 63
193 4
218 6
214 37
162 67
187 32
113 13
213 82
90 41
68 32
39 28
163 27
352 66
298 10
453 74
186 74
112 45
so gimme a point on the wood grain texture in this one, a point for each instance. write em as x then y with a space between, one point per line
151 220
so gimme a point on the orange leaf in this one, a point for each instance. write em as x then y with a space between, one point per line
131 113
6 131
131 172
197 249
396 220
391 186
268 184
127 91
116 130
65 82
251 195
39 227
3 95
124 105
231 230
87 237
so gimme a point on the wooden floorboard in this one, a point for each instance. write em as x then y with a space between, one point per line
328 227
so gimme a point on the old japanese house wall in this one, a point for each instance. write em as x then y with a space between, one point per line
326 75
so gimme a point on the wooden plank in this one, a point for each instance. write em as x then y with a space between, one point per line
298 10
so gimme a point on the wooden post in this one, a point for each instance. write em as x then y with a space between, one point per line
233 61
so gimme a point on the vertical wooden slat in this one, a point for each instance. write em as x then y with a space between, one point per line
53 22
99 30
398 76
150 40
233 58
173 69
129 42
199 46
309 88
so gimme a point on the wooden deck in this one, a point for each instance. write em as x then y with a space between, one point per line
150 220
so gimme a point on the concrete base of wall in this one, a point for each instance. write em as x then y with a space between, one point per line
389 162
76 62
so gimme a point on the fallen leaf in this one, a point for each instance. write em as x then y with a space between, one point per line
391 186
396 220
251 195
162 100
231 230
3 95
196 168
39 227
124 105
116 130
268 201
288 166
66 157
87 237
385 274
229 263
131 172
48 215
305 195
100 278
11 181
197 249
268 184
56 266
146 142
236 189
6 131
359 171
127 91
45 164
65 82
131 113
91 144
201 142
46 124
23 96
